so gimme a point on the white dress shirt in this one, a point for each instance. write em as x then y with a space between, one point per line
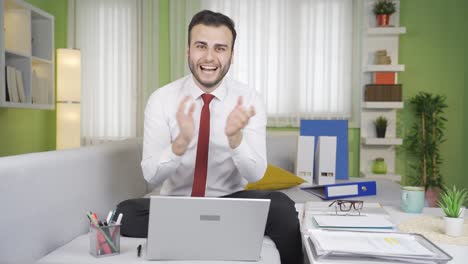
229 170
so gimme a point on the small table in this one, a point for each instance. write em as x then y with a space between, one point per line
458 253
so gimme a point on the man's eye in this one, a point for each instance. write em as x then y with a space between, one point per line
220 49
201 47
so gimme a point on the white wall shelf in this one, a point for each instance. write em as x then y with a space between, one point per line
27 44
382 141
375 39
386 30
385 68
383 105
389 176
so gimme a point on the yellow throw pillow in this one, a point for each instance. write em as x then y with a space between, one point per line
275 178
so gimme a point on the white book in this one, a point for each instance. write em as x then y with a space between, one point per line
325 161
11 79
20 86
35 87
305 157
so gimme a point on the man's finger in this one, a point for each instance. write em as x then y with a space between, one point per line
182 104
252 112
191 109
240 101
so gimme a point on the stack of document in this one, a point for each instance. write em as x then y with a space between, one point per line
377 246
372 216
351 222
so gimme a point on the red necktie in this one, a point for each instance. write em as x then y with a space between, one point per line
201 162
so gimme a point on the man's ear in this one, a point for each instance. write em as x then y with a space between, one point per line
187 52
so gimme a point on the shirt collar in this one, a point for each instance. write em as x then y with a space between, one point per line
196 92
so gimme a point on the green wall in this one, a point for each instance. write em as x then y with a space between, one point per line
27 130
434 52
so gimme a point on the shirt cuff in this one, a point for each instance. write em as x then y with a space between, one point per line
242 152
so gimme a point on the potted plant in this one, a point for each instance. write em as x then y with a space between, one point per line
423 143
381 126
451 201
383 9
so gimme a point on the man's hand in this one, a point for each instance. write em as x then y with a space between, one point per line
236 121
186 127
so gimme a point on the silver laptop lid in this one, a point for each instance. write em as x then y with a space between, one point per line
193 228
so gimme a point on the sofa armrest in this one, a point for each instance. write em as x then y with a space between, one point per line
45 195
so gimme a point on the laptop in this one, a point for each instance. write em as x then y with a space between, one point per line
194 228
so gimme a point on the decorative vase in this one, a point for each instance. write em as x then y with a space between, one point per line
379 166
453 226
383 20
432 196
380 131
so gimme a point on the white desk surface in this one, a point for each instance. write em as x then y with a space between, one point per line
77 252
458 253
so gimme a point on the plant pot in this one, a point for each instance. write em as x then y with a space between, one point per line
383 20
453 226
432 196
379 166
380 131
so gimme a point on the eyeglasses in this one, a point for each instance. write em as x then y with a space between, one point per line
347 205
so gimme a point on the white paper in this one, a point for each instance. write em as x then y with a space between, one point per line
368 221
382 244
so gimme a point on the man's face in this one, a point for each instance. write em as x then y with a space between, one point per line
209 55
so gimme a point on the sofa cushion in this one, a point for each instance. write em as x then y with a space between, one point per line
275 178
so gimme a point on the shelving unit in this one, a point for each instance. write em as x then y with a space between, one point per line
27 45
376 38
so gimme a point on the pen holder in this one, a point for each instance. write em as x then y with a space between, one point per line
104 240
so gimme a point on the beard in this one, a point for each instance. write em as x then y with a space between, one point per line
222 71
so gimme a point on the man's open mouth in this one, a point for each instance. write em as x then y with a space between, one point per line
208 68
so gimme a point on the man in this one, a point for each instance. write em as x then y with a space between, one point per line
205 134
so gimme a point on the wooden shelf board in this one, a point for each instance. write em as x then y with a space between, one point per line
386 30
383 105
27 105
382 141
389 176
385 68
37 60
17 53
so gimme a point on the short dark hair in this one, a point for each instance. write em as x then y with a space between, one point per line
210 18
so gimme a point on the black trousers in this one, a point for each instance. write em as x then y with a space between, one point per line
282 224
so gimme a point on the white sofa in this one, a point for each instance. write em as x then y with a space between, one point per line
44 196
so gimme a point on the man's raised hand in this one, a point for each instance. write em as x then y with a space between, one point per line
236 121
186 127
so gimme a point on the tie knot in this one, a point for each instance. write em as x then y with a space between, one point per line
207 98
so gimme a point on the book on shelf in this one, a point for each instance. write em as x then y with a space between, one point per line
384 78
7 93
11 80
40 91
20 86
383 93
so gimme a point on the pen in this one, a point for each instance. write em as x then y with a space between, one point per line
139 250
117 223
109 215
119 219
95 223
112 216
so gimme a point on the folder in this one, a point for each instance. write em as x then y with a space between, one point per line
336 246
336 128
343 190
325 161
305 157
